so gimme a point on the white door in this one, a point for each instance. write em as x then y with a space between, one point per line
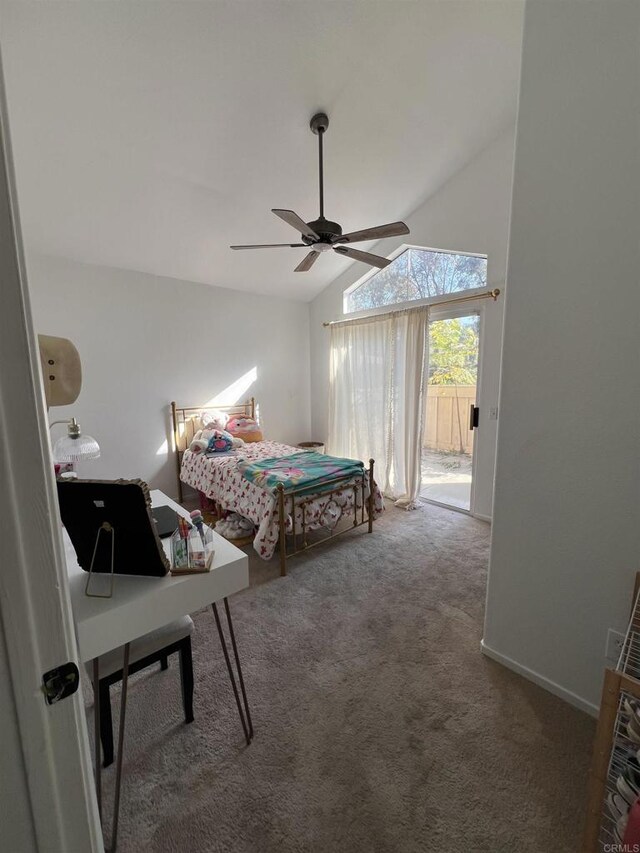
47 798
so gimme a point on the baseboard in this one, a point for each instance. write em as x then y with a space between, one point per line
482 517
541 681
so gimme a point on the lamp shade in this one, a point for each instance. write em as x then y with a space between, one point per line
75 446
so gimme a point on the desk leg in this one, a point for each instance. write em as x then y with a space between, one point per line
247 725
96 732
123 710
237 657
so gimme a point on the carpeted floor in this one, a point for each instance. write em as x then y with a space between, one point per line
379 725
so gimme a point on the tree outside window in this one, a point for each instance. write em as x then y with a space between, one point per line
418 274
453 361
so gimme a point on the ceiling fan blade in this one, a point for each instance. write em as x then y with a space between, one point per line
393 229
271 246
296 222
365 257
307 262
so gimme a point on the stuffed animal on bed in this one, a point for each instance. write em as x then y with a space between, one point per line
214 419
214 441
220 442
245 428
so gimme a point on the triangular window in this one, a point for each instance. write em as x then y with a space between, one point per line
417 274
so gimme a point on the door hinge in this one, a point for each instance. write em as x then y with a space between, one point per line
60 682
474 417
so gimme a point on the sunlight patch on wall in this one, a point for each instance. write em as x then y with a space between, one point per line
235 392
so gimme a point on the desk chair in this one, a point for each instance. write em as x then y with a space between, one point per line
144 651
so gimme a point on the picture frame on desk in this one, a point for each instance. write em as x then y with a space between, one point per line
119 507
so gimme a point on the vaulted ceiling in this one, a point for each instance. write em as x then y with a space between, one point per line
151 136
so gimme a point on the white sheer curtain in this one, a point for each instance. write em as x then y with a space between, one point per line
376 397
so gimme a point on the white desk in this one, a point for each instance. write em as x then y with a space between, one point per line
143 604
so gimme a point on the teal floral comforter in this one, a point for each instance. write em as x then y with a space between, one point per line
299 470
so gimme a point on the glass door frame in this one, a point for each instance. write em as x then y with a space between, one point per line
442 312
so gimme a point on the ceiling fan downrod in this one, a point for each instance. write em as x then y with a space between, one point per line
319 124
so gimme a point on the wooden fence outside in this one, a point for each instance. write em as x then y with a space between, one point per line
447 418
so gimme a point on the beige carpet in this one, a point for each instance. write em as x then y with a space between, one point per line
379 725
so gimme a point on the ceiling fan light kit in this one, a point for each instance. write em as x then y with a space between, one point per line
323 235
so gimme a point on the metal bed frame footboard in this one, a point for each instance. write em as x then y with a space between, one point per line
291 500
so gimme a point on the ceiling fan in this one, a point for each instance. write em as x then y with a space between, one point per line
322 235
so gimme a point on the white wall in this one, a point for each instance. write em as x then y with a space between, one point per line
146 340
566 532
469 213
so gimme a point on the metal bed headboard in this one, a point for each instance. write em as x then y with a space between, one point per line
186 422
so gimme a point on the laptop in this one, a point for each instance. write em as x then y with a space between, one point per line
166 520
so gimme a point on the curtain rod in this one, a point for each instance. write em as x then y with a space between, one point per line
488 294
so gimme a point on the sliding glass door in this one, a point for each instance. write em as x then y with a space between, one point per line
451 411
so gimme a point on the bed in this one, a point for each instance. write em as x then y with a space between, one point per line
284 516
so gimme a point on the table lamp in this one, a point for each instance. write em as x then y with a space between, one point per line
75 446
